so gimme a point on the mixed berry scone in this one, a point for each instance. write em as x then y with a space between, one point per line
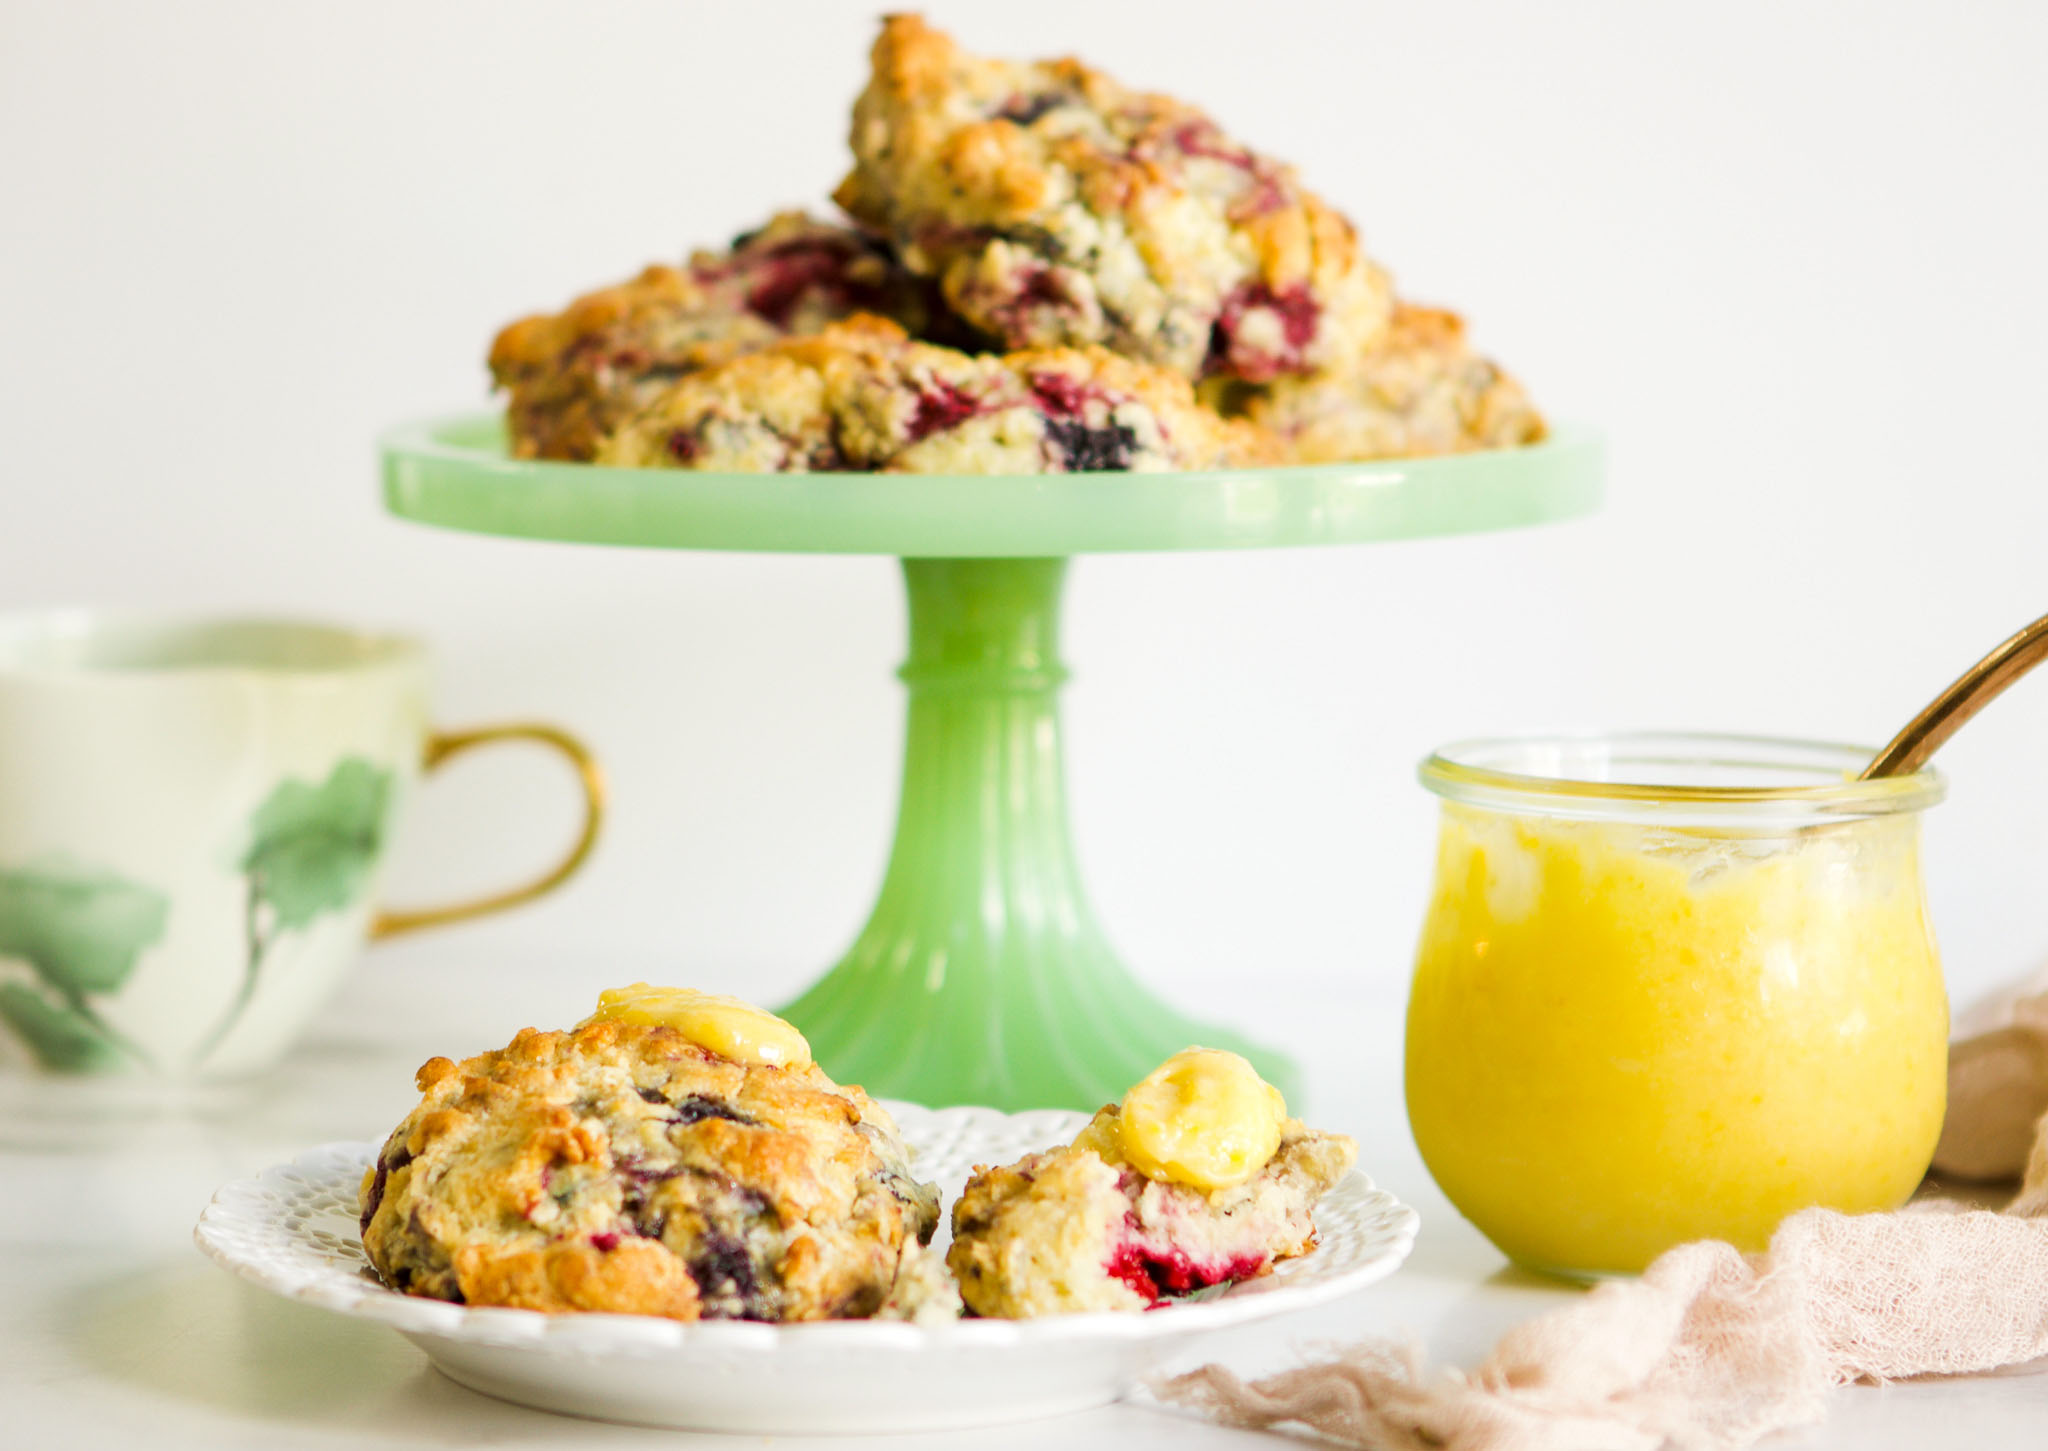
1056 207
1421 390
1198 1178
861 395
574 375
674 1155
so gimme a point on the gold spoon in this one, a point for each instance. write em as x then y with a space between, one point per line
1976 688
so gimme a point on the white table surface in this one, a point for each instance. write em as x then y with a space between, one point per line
114 1331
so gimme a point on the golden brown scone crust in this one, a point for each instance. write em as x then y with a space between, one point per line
1057 207
1422 390
1070 1230
622 1168
572 376
861 395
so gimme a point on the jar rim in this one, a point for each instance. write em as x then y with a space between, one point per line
1649 769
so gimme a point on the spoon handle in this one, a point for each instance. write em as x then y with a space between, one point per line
1976 688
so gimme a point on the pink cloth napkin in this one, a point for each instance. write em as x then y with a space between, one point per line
1712 1349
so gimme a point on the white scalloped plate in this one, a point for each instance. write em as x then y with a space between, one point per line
292 1229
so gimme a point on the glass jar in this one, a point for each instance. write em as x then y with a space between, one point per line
1672 987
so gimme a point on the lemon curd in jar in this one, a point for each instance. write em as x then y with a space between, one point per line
1646 1011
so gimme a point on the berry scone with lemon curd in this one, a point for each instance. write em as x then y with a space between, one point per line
1057 207
572 376
1197 1178
676 1154
862 395
1421 390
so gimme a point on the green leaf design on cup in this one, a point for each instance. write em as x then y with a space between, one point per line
311 851
59 1037
82 930
314 846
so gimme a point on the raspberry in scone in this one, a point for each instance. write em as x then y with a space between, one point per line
675 1155
574 375
1056 207
1421 390
1198 1178
862 396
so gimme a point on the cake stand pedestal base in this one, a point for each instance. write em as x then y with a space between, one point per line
982 976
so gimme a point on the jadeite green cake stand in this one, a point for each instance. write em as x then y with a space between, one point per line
982 976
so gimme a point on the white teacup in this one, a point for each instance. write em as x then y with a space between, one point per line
193 821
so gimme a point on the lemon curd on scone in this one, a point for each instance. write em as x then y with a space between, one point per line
1197 1178
676 1154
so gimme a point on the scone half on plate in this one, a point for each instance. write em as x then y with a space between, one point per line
675 1155
1198 1178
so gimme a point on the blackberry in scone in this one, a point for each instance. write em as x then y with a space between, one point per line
1056 207
676 1155
572 376
863 396
1197 1178
1421 390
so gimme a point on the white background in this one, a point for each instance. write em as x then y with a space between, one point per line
1789 259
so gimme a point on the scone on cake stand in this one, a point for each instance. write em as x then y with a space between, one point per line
982 975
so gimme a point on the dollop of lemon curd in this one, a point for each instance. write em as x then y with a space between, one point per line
1622 1038
1203 1118
728 1026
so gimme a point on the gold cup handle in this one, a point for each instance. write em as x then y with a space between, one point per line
445 745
